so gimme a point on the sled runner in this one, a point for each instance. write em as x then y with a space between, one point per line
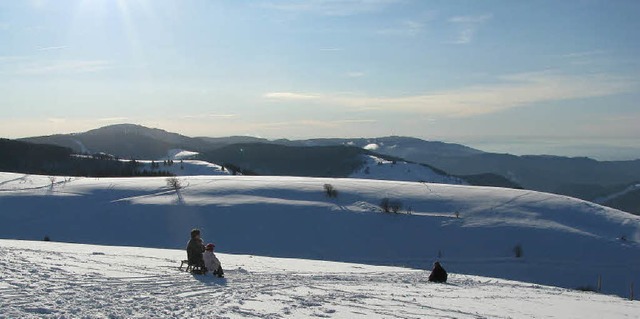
191 268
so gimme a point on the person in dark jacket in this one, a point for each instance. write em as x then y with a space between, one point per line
438 274
195 249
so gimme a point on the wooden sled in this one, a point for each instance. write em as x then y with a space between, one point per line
191 268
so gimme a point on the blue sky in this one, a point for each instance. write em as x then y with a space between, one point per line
523 76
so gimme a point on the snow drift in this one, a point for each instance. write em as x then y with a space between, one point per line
54 280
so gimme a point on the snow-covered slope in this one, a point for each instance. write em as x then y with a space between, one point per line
565 242
630 189
178 154
53 280
378 168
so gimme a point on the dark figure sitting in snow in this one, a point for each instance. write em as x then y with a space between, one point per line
195 249
438 274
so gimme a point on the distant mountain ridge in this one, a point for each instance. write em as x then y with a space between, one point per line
410 148
583 178
45 159
251 155
128 141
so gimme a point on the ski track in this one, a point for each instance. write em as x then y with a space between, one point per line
46 283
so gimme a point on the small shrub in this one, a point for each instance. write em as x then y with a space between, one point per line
395 206
409 210
330 191
517 251
587 288
385 205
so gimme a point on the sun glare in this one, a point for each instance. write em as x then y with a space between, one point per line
122 13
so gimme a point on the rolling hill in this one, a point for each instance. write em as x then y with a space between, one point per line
584 178
127 141
29 158
474 230
580 177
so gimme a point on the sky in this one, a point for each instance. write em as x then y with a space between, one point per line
539 77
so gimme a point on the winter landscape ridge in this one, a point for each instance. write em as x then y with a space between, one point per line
609 183
565 242
319 159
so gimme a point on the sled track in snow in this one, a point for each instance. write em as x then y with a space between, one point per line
146 283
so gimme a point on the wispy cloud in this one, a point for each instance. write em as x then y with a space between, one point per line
38 4
471 19
112 119
355 74
72 66
209 116
468 26
311 123
52 48
56 120
292 96
355 121
582 54
330 7
12 58
331 49
585 57
510 91
404 28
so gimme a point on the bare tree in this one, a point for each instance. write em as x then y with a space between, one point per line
330 191
174 183
390 206
385 205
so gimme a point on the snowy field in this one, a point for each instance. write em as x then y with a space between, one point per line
565 242
54 280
